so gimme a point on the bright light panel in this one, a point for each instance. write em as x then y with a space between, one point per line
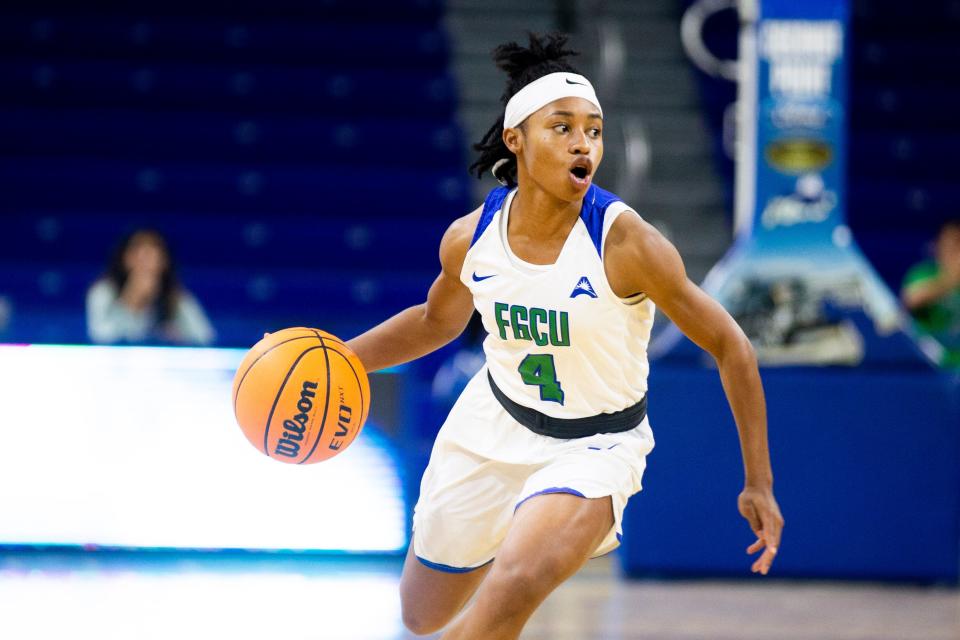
138 447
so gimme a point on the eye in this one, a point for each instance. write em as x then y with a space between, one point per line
561 128
595 132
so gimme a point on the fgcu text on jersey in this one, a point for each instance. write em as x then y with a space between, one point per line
537 325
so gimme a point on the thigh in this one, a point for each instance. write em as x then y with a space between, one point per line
553 534
551 537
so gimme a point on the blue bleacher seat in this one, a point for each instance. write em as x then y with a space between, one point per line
267 241
302 157
329 90
94 185
147 136
195 38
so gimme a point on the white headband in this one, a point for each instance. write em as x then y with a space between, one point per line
545 90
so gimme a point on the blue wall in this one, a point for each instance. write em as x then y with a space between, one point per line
867 467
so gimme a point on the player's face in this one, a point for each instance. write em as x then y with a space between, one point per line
561 146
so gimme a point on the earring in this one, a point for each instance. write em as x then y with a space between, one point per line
496 165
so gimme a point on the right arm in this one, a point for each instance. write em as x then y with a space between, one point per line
925 292
419 330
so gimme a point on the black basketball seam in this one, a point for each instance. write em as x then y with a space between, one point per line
244 376
333 341
359 388
326 403
266 430
328 338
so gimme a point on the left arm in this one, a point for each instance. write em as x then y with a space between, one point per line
639 258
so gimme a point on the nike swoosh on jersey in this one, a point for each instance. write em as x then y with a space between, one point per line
477 278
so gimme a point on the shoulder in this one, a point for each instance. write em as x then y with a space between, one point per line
599 199
464 231
597 211
102 289
457 240
639 258
631 234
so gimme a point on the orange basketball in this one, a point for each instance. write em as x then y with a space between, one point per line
301 395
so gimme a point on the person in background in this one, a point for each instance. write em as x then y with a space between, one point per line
931 292
140 300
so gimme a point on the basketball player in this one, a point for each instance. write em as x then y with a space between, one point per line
531 471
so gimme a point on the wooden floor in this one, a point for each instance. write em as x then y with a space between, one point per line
142 597
597 605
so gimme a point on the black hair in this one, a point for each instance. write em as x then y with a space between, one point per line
544 55
117 273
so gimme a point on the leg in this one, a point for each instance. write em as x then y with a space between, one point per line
551 537
430 598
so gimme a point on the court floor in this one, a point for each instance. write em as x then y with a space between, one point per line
295 597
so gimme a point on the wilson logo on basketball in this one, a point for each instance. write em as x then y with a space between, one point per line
294 428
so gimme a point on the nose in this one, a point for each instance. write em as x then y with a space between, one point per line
580 144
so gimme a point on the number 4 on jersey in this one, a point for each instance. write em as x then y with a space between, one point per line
538 370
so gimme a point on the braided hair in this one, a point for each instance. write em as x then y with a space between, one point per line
544 55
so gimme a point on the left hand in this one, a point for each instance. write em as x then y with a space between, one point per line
760 509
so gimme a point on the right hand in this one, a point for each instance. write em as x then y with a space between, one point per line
760 509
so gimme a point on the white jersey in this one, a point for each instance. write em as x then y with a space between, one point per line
560 340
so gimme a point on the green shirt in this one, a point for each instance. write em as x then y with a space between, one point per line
940 319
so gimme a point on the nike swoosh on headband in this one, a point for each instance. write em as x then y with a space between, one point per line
569 81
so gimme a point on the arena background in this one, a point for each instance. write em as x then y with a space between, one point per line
303 160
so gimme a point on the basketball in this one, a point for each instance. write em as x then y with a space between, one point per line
301 395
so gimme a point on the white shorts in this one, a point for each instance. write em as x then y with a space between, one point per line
484 464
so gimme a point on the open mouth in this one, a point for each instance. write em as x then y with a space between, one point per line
580 170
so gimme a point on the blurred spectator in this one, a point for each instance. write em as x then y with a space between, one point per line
931 291
139 299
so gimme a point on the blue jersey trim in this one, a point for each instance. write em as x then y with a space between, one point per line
490 206
448 569
595 203
572 492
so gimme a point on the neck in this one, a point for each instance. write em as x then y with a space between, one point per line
541 213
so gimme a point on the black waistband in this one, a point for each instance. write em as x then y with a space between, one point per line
567 428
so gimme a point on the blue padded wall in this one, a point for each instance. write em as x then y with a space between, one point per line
867 467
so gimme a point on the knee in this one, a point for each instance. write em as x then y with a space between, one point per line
522 583
420 621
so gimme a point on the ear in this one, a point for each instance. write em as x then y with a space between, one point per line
513 138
